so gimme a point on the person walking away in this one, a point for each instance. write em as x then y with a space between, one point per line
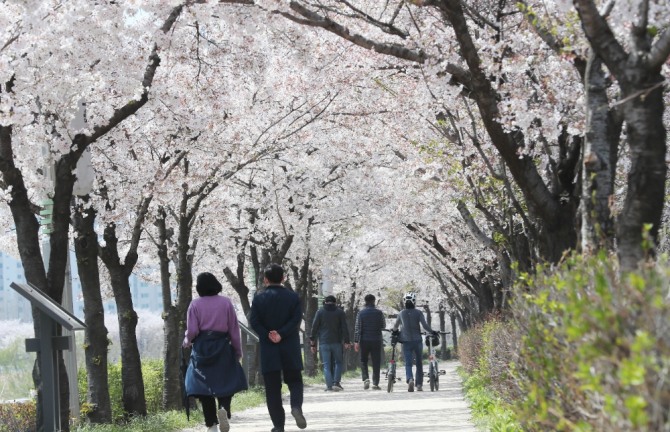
213 333
275 317
330 329
368 340
409 321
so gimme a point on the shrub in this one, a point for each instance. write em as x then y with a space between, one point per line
152 374
595 354
470 348
489 411
485 351
17 417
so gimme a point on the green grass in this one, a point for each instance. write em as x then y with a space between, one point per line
173 421
168 421
489 411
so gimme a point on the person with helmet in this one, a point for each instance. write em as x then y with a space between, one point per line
409 321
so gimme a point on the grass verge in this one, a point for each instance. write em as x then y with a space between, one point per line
173 421
489 411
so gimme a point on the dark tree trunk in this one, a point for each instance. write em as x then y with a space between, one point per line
184 262
599 162
638 73
643 205
351 358
454 336
304 286
311 306
132 383
429 316
171 399
236 280
443 338
96 341
172 340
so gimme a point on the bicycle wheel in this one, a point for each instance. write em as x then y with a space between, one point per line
432 377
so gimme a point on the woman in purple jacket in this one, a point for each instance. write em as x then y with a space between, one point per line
213 332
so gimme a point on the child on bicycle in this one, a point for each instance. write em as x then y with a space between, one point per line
409 321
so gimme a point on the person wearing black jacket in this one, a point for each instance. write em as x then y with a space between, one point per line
330 329
368 339
275 317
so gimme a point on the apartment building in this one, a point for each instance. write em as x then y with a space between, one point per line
14 307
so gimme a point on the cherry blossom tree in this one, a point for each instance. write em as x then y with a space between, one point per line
637 67
493 66
38 114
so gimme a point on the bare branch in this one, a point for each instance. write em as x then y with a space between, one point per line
313 19
660 51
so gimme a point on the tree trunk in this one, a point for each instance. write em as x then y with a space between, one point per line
237 280
454 337
172 340
311 306
638 73
599 162
643 206
351 358
184 268
132 383
171 398
96 341
134 402
443 327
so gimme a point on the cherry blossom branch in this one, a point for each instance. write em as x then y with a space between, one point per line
551 41
385 27
474 229
660 51
313 19
600 36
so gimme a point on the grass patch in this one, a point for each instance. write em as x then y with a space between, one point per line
173 421
489 411
167 421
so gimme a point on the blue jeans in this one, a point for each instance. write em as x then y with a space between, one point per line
413 349
331 356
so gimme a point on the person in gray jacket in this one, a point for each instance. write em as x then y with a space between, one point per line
410 320
330 329
370 322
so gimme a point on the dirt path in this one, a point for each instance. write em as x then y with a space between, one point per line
355 409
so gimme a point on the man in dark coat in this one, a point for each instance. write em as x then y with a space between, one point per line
368 338
275 317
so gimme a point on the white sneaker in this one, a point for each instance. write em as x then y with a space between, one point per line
212 429
224 426
366 384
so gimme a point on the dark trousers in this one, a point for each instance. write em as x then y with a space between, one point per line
371 349
209 408
293 379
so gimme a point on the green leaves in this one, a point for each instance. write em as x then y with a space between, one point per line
594 347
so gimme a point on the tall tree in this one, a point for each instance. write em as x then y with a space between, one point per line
25 92
96 336
638 73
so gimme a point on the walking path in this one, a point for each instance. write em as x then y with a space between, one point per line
355 409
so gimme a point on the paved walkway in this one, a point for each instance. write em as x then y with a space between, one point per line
355 409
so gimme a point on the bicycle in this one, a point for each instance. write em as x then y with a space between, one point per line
391 369
434 372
